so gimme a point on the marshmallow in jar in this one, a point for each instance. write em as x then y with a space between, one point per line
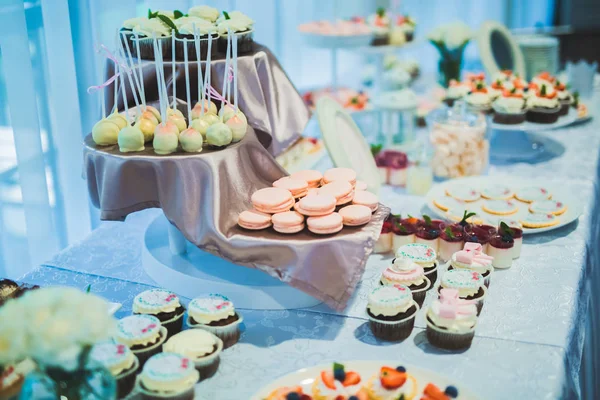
460 147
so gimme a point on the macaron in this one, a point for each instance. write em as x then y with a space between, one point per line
360 185
316 205
355 215
342 191
326 224
312 191
340 174
310 176
272 200
254 220
288 222
297 187
362 197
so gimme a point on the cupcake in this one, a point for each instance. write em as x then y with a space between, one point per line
456 91
406 272
380 26
384 242
240 26
215 313
392 384
451 241
451 321
510 108
543 107
479 234
162 304
479 100
516 231
404 231
207 13
470 285
145 31
424 256
185 30
143 334
501 247
168 376
335 383
472 258
408 25
120 362
391 311
428 232
200 346
564 97
496 89
506 75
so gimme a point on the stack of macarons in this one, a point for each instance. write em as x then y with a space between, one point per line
312 196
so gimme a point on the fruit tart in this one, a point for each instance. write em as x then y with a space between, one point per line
337 384
392 384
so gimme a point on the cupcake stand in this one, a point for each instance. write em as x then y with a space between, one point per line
197 246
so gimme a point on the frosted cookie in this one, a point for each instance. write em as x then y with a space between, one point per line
446 203
531 194
500 207
539 220
463 193
497 192
548 207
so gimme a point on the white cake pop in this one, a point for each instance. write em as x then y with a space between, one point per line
238 127
166 138
149 116
219 135
178 121
174 111
105 132
227 115
209 107
147 126
191 140
226 111
131 139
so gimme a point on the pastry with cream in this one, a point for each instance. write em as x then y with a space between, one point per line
472 258
143 334
200 346
392 383
215 313
162 304
456 91
240 26
479 100
168 376
391 311
120 362
451 321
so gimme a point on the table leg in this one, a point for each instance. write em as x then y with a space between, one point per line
177 242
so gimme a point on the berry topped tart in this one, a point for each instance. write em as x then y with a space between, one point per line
338 384
289 393
392 384
432 392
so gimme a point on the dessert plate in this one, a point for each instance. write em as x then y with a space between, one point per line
306 376
558 192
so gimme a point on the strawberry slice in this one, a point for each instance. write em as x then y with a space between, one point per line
391 379
328 379
352 378
432 392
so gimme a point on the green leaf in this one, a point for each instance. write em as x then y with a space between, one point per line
465 217
427 219
338 366
177 14
479 85
152 14
400 227
513 90
410 216
449 233
380 12
88 288
168 22
376 149
226 15
505 231
543 90
402 397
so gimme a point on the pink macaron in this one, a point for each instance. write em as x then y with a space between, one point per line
325 225
297 187
254 220
288 222
316 205
312 177
341 190
355 215
340 174
272 200
362 197
360 185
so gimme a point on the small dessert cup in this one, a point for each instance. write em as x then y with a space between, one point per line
479 234
404 233
451 241
501 248
429 232
384 242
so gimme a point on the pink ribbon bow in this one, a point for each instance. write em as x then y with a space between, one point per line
473 254
110 80
213 93
451 305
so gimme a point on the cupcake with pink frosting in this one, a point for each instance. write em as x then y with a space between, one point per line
472 258
451 321
404 271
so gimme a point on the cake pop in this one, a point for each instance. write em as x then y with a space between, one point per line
238 127
178 121
201 126
118 119
147 126
166 138
105 132
149 116
209 107
191 140
219 135
131 138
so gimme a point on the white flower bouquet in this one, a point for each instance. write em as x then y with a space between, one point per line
450 40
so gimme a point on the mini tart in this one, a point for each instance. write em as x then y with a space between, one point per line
446 203
391 384
497 192
531 194
463 193
548 207
500 207
539 220
335 383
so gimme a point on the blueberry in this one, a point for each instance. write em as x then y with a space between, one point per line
293 396
339 375
401 369
451 391
353 398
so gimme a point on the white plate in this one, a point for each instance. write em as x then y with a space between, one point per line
558 192
113 308
306 376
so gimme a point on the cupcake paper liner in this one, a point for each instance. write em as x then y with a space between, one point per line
448 340
208 365
543 115
145 394
126 380
393 331
419 294
564 107
229 334
509 118
432 275
173 325
245 42
144 354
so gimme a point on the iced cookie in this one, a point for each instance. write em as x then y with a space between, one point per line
463 193
548 207
500 207
539 220
497 192
531 194
446 203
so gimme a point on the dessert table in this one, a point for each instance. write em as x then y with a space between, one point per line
529 341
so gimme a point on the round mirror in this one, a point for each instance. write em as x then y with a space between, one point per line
499 50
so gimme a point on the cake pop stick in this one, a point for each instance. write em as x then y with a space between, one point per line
187 80
103 100
199 63
229 50
131 65
115 94
235 74
124 94
208 69
143 90
174 79
162 76
127 70
225 76
163 111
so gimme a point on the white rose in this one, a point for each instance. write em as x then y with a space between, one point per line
437 35
457 34
13 333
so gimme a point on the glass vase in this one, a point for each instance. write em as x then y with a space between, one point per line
449 67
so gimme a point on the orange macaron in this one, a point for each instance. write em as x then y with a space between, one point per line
362 197
288 222
310 176
341 190
254 220
340 174
272 200
316 205
326 224
297 187
355 215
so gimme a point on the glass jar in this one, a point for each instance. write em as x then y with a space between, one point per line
419 177
458 137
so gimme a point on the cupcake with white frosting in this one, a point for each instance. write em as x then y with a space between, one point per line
543 107
564 97
479 100
472 258
143 334
391 311
120 362
207 13
162 304
510 108
240 26
404 271
186 27
168 376
215 313
470 285
200 346
451 321
423 255
457 91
